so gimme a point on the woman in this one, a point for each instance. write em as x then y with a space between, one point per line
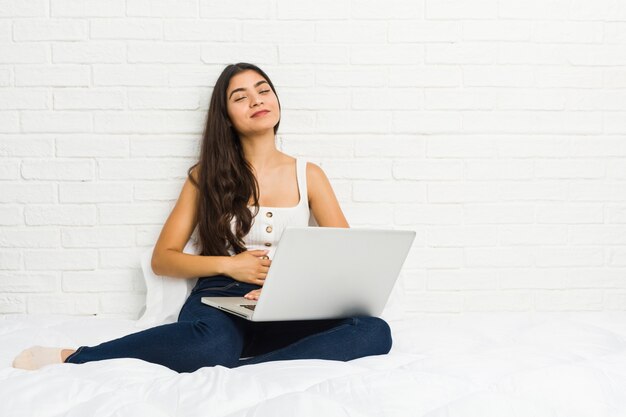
241 195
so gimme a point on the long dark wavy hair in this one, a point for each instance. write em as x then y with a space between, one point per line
226 182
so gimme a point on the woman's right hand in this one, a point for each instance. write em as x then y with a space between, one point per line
249 267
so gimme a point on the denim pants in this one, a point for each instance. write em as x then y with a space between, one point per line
205 336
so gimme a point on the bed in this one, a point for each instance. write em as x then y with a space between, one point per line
472 364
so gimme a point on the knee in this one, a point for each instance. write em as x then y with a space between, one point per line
377 333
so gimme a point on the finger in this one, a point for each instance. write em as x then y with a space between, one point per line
258 251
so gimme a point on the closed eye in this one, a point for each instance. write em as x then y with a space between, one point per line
261 92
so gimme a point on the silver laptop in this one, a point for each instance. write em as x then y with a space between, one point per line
325 273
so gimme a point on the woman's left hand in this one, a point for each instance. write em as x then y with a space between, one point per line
253 295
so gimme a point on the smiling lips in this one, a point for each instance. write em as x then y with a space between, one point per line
260 113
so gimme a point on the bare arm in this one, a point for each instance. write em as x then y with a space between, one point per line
168 257
182 265
322 199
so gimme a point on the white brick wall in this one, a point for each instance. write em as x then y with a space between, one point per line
493 128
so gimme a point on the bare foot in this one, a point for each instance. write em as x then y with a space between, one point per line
37 356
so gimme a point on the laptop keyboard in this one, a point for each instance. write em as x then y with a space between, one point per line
249 306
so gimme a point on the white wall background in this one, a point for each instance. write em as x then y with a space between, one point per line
494 128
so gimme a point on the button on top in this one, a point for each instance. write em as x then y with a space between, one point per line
268 229
268 244
269 214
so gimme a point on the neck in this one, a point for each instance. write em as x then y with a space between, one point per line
260 151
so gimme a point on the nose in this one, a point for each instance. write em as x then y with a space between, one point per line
256 100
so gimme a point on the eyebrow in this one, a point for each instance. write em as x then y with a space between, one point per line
242 89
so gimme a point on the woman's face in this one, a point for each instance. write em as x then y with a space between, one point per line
248 93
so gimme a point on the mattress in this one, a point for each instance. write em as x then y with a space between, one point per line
471 364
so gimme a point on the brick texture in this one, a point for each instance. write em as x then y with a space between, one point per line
493 128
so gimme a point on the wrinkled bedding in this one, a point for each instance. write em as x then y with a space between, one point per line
472 364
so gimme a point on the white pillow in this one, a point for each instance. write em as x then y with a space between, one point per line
165 296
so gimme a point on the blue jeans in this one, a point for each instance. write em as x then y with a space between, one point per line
206 336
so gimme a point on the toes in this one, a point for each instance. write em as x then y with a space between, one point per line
24 360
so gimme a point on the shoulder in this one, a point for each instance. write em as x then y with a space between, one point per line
191 187
314 169
314 174
316 179
193 172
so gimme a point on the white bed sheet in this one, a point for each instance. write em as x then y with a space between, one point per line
473 364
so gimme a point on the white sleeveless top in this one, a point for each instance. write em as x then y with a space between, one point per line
270 222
